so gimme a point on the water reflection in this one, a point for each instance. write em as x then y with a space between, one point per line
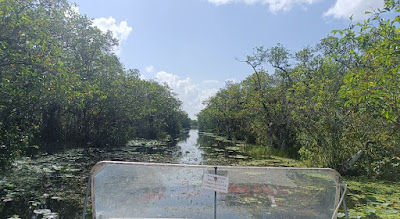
204 148
62 174
191 153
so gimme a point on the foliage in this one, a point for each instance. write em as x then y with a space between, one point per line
61 83
336 104
371 86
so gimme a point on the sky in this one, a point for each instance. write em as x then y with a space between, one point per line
194 45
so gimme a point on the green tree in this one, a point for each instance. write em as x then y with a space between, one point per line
371 87
61 84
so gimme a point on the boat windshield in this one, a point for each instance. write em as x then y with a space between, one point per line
148 190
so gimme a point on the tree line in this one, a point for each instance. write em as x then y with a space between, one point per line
336 104
61 83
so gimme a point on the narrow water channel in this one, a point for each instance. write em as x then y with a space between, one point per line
55 184
203 148
191 152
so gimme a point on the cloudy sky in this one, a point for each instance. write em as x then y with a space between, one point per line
193 45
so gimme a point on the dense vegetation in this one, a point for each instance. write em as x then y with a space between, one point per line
61 83
336 104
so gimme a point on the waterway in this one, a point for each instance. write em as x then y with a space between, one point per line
53 185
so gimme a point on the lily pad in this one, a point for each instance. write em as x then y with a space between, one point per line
391 211
8 200
233 148
56 198
341 215
239 156
50 215
370 210
42 211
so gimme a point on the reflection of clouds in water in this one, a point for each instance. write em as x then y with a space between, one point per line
191 153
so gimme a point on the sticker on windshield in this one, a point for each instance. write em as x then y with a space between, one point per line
215 182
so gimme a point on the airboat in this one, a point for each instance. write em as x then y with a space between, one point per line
130 190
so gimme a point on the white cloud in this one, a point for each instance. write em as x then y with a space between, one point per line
274 5
357 8
211 81
142 77
192 95
120 31
149 68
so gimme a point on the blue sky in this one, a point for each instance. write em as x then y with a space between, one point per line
192 45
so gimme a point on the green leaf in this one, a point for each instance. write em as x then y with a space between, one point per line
369 211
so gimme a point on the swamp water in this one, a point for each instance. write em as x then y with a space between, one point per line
54 185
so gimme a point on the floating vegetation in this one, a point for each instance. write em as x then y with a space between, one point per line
233 148
373 199
53 185
238 156
218 150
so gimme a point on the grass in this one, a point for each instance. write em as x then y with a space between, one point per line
262 152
